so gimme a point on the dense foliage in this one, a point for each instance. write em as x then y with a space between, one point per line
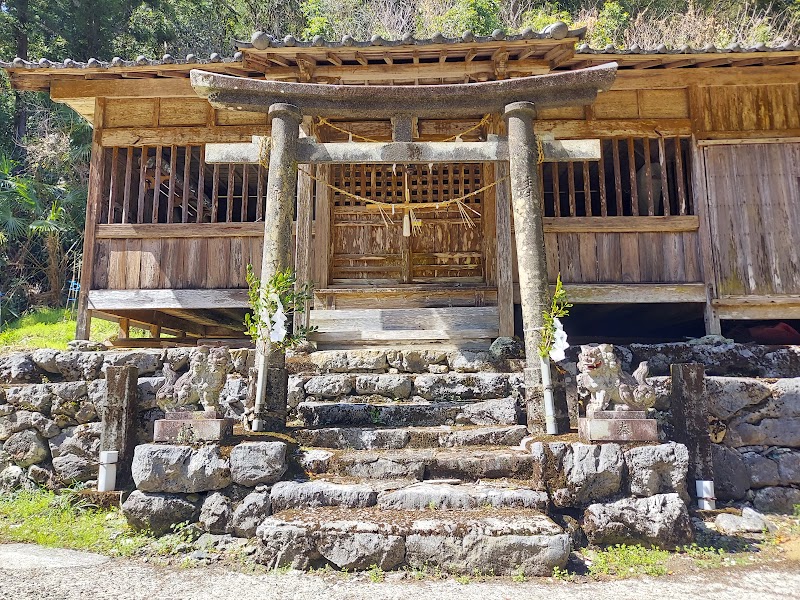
44 147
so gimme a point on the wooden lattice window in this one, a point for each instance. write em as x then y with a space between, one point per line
439 182
173 184
627 181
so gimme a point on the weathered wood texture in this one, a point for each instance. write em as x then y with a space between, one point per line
368 243
754 213
409 325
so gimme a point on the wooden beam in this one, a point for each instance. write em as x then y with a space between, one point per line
633 293
96 179
180 136
188 299
621 224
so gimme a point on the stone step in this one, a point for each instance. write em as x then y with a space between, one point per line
504 541
448 387
419 465
402 495
444 436
498 411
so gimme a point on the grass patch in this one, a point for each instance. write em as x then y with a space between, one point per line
629 561
49 519
53 328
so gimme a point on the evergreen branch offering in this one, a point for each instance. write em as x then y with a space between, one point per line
554 338
274 307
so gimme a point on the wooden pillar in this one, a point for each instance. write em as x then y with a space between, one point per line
505 259
322 228
117 415
272 384
96 179
302 256
526 200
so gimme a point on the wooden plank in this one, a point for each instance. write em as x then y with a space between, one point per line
505 266
99 275
304 240
580 129
421 296
96 178
193 299
587 243
569 257
180 230
448 318
609 257
187 171
142 184
215 194
488 224
220 250
587 192
126 192
679 175
620 224
648 172
322 229
117 265
229 195
150 264
245 193
173 167
157 185
415 335
601 173
629 258
556 189
657 293
133 262
571 189
632 173
113 195
181 136
201 185
617 177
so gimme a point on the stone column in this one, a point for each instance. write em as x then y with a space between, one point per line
118 418
272 383
526 202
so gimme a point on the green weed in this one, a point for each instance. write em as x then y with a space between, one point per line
629 561
376 574
561 574
56 520
464 579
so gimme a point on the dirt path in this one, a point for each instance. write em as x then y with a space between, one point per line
44 574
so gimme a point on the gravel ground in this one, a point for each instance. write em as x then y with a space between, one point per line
44 574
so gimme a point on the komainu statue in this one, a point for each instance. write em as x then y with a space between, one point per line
202 383
608 387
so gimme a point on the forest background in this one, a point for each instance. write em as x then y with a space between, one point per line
45 147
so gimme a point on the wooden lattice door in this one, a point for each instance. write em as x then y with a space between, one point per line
446 242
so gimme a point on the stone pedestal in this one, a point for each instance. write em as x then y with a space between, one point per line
618 426
183 427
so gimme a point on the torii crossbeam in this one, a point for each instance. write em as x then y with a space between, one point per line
287 103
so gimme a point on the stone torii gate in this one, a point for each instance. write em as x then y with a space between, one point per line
518 99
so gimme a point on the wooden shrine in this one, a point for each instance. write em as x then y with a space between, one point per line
694 202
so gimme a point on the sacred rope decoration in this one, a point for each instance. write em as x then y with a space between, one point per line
411 224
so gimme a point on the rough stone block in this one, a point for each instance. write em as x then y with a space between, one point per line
658 469
180 469
250 513
660 520
157 512
254 463
312 494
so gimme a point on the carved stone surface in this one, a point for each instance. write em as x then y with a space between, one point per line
607 386
202 383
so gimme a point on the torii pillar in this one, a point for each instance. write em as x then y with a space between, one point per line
273 380
526 203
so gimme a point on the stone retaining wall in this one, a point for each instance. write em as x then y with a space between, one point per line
50 432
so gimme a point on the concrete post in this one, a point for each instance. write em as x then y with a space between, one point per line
117 417
526 202
272 383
